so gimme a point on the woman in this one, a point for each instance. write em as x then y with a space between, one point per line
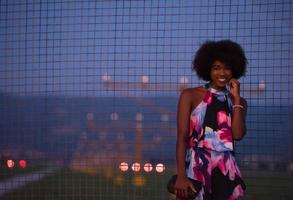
209 119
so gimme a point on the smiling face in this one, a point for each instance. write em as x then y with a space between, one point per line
220 75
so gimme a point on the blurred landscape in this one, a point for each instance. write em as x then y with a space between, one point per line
84 140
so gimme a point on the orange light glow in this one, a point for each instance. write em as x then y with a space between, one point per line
160 167
119 180
123 166
138 181
10 163
148 167
135 167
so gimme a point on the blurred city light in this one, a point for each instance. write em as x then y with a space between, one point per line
183 80
123 166
139 117
119 180
106 77
148 167
160 168
135 167
22 163
262 85
139 126
10 163
90 116
138 181
164 118
145 79
114 116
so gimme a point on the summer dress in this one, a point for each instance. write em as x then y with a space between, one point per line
210 155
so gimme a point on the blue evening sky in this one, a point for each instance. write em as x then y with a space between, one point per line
71 47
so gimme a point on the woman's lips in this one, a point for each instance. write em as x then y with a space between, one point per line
223 80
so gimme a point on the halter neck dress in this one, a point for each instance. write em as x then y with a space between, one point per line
210 155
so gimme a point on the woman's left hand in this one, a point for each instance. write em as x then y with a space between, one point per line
234 88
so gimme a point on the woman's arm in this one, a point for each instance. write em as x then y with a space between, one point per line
239 119
239 111
183 111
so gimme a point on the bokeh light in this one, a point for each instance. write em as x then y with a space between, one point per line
164 118
262 85
183 80
106 77
145 79
148 167
160 168
135 167
139 117
90 116
119 180
138 181
114 116
22 163
10 163
123 166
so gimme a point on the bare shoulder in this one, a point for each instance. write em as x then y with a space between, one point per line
193 95
196 91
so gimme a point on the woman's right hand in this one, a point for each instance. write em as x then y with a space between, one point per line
182 187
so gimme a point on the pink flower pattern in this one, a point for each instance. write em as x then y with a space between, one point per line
208 149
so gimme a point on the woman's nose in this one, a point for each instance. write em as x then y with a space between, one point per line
222 71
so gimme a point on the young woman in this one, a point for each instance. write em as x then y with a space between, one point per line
209 119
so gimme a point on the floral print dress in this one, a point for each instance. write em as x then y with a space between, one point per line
210 156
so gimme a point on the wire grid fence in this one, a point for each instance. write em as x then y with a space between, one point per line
88 94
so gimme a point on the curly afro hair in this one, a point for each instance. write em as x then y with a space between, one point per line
226 51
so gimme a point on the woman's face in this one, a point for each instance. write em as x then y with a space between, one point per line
220 75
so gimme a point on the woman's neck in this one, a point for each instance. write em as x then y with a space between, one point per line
215 87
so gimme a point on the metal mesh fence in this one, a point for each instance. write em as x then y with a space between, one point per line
88 94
